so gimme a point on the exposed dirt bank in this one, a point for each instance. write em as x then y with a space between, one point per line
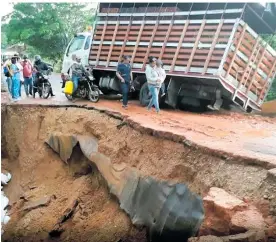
38 172
269 107
251 137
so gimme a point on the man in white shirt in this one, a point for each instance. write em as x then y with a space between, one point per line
162 75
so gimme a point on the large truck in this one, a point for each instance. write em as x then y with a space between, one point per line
213 53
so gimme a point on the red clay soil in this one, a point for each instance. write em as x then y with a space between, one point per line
38 172
269 107
235 134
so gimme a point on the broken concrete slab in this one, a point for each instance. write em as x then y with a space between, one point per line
219 207
226 214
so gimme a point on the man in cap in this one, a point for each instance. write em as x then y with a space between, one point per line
41 68
125 76
77 70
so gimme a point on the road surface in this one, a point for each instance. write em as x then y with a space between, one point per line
238 134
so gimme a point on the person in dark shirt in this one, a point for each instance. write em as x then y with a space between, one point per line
40 65
41 68
125 76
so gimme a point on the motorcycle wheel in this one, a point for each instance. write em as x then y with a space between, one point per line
45 91
94 95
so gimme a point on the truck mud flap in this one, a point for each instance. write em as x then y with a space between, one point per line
172 93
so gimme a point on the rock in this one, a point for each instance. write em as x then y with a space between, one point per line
272 173
265 197
42 202
269 221
249 236
220 207
271 232
250 219
208 238
263 206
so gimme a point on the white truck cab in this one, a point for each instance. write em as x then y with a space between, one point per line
79 46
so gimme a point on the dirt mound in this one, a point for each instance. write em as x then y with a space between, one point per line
43 182
269 107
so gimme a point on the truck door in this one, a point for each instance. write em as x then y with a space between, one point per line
75 47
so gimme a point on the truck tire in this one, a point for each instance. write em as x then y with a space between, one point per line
144 95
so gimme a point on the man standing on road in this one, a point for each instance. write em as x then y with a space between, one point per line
27 74
125 76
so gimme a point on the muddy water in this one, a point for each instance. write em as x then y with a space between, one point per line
38 172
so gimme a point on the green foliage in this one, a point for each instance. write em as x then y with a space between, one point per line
271 39
272 93
47 27
4 40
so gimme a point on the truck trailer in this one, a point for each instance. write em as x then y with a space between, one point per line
213 53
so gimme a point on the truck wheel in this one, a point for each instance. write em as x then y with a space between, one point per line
144 95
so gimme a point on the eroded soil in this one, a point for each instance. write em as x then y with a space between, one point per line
38 172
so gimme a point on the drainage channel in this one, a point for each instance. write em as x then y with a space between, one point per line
58 192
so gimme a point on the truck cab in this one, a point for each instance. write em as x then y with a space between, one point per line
79 46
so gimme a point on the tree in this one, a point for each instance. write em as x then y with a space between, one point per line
47 27
4 41
271 40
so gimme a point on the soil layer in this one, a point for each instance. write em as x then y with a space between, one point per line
39 173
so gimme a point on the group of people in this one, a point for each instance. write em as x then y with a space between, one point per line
155 75
23 72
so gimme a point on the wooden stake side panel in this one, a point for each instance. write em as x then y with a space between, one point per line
185 49
253 64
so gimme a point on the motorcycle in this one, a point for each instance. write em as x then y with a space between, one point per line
86 89
42 86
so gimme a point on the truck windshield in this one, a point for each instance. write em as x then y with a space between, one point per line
76 44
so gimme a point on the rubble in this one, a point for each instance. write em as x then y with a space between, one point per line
226 214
